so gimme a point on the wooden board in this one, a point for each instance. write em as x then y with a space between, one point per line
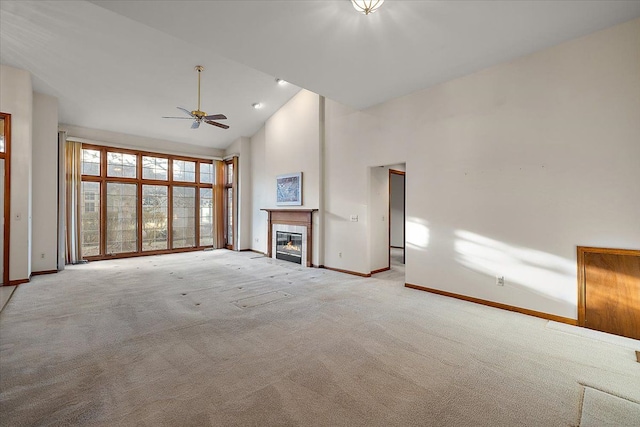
612 292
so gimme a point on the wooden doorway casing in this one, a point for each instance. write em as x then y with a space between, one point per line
6 155
609 290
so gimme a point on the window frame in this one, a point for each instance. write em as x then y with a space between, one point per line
230 186
103 179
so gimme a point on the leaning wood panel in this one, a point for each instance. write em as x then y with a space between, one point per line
610 291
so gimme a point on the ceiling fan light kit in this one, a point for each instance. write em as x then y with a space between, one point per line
200 116
366 6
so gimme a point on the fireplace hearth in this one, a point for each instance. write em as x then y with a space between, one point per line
289 246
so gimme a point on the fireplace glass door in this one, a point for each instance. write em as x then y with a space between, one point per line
289 246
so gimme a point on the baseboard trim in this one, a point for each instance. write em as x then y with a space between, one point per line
397 247
380 270
39 273
317 266
493 304
17 282
354 273
253 250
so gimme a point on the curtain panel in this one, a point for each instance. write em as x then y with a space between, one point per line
73 186
218 202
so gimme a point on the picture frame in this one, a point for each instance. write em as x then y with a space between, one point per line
289 189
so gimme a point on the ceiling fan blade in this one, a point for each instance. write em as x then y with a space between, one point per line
215 117
196 124
186 111
187 118
220 125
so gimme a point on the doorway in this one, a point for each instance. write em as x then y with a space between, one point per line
397 216
5 188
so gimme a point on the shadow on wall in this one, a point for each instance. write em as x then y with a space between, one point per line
540 272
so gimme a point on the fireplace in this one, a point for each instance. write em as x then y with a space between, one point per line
290 222
289 246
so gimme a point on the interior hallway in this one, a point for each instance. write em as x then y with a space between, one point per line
225 338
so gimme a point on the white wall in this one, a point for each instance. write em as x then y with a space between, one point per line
242 148
396 203
288 143
509 169
259 198
355 142
45 183
16 98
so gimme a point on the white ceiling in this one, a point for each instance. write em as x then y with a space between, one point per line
121 65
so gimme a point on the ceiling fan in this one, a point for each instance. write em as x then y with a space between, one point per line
200 116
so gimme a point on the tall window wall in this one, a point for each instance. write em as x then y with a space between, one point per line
138 202
229 197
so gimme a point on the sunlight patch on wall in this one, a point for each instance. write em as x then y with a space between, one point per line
538 271
417 233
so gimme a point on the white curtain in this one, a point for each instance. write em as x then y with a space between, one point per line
73 183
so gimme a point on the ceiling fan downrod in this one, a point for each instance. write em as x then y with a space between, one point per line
199 69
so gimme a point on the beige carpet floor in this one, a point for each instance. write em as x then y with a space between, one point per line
220 339
5 295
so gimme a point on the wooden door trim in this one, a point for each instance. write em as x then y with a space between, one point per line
7 196
582 285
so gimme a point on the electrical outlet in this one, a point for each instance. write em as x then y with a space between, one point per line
500 280
42 256
354 218
340 254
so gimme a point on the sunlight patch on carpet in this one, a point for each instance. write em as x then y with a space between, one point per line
601 409
594 335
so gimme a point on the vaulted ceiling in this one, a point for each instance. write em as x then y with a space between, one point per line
122 65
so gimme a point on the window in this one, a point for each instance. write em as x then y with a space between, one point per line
229 172
90 211
155 168
184 218
122 223
91 162
206 216
121 165
155 213
229 203
206 173
184 171
165 207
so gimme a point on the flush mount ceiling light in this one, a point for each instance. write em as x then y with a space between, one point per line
256 105
366 6
281 82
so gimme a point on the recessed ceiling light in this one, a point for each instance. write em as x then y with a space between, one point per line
281 82
256 105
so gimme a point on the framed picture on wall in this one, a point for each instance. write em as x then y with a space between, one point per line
289 189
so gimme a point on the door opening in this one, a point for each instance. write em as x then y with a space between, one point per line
397 216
